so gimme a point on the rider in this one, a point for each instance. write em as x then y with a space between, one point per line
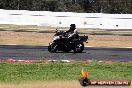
72 32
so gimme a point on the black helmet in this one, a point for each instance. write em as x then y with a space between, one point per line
73 26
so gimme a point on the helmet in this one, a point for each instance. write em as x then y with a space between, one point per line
73 26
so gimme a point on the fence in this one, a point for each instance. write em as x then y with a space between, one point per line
64 19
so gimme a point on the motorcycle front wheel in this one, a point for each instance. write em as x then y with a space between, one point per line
79 48
52 47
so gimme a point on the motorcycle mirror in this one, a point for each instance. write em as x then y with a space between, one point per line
56 30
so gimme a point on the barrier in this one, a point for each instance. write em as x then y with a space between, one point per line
64 19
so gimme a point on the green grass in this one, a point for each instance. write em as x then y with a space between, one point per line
21 72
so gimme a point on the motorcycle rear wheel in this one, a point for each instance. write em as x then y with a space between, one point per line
79 48
52 48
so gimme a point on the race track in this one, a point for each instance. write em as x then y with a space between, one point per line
40 52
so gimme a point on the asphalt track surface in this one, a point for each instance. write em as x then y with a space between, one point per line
40 52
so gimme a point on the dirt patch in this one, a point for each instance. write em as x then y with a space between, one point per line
29 38
55 84
35 38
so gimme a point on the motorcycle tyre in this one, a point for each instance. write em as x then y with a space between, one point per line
80 50
54 46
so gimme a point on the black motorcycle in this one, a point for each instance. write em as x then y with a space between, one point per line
62 43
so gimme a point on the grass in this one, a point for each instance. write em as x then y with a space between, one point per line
23 72
34 38
52 29
30 27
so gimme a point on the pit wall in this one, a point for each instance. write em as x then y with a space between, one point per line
64 19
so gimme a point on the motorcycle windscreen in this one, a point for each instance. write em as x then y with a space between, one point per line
83 38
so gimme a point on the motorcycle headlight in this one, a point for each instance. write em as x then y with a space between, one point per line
56 37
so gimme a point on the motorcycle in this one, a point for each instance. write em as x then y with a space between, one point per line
62 43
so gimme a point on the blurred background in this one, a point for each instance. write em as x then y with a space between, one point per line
85 6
